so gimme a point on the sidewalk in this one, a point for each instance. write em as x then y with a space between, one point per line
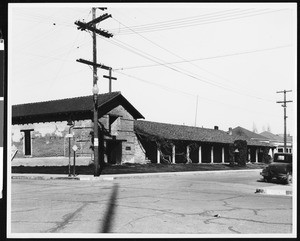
276 190
118 176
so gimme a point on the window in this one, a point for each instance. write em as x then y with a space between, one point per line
112 123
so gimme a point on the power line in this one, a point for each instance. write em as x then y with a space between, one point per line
170 89
163 48
152 28
210 57
181 22
181 71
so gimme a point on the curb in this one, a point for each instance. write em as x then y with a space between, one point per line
274 191
43 177
110 177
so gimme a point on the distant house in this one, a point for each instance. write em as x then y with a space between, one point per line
278 141
250 135
255 142
171 143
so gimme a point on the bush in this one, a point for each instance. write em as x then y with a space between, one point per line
242 155
266 158
231 154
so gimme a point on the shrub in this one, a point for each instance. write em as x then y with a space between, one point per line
231 154
266 158
242 155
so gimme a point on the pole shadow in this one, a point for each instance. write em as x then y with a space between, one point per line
110 211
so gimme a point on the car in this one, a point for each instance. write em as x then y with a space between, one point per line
280 168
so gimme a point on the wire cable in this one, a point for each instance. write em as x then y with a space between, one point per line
163 48
181 71
153 28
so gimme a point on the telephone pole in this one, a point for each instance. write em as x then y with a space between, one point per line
110 78
91 26
284 116
196 111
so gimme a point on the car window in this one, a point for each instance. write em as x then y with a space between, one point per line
280 158
283 158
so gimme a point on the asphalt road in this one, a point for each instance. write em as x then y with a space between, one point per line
204 204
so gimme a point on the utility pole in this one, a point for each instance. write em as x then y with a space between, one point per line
284 116
91 26
110 78
196 111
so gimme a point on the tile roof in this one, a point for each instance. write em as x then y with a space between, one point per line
60 110
188 133
273 137
252 138
181 132
240 131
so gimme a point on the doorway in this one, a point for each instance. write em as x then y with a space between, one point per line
114 152
27 142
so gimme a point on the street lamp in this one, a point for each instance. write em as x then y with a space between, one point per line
96 141
95 90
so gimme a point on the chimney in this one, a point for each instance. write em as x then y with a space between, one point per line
216 128
230 131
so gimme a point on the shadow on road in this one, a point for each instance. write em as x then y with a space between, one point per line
110 211
273 181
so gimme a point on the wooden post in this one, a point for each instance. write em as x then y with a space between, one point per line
256 155
158 155
173 154
212 154
223 155
200 155
188 154
249 155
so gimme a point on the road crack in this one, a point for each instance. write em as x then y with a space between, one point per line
67 219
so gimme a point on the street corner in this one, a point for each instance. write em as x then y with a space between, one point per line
283 190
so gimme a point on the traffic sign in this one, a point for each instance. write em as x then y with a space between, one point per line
75 148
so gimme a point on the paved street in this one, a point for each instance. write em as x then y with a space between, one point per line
218 203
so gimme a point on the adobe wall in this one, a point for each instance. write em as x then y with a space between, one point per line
49 139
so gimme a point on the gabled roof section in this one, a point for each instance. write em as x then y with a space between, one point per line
79 108
273 137
252 138
180 132
242 132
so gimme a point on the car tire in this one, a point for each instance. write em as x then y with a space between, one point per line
288 178
267 179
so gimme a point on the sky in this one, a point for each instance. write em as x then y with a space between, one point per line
191 64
